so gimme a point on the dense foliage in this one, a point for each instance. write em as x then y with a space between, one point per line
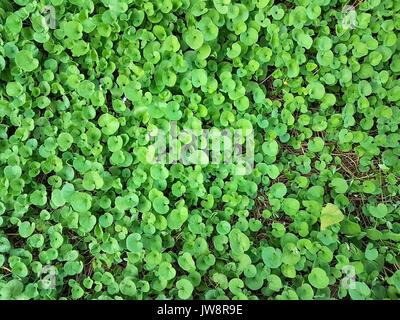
83 215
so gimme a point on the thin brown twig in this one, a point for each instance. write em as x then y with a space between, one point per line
9 270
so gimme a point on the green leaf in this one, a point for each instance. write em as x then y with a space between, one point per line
20 270
194 38
278 190
290 206
81 202
14 23
340 185
185 288
316 90
73 30
133 242
349 227
330 215
272 257
38 198
26 61
25 229
64 141
318 278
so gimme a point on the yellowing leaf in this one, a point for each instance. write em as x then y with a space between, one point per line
330 215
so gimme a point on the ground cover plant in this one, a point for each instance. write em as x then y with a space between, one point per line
84 215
